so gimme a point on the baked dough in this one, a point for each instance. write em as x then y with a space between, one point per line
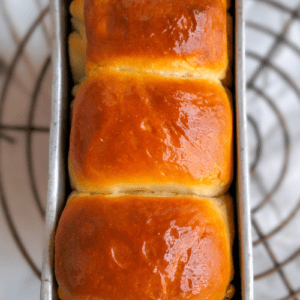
149 132
143 247
151 139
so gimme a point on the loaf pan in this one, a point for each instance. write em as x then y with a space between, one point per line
58 186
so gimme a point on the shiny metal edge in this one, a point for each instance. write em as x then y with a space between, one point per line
243 194
57 148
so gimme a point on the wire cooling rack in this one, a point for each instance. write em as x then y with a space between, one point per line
273 95
273 131
19 130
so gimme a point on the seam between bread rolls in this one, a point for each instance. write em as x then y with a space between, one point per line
170 74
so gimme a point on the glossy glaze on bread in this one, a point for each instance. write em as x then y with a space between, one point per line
139 131
186 143
161 35
141 247
151 139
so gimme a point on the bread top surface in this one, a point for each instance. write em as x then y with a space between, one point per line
164 35
141 129
135 247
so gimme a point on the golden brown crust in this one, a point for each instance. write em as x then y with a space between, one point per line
181 36
150 132
140 126
135 247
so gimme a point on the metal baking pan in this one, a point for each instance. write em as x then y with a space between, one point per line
58 186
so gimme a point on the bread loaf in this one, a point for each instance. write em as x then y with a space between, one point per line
150 146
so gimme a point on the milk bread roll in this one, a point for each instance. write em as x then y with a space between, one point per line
77 12
170 36
145 247
149 132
